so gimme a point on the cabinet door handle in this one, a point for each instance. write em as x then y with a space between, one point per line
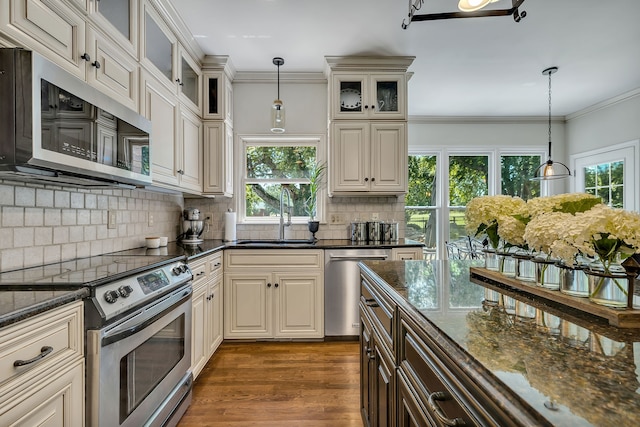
366 179
180 171
373 179
371 303
43 352
268 285
276 285
179 82
442 396
370 355
86 57
96 64
200 274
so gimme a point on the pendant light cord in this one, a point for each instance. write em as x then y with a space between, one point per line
279 92
550 115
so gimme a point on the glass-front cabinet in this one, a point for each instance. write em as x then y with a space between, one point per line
218 97
122 17
189 81
369 96
158 51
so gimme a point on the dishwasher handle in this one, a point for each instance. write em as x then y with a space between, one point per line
357 257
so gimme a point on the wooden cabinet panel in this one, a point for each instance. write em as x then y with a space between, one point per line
299 303
248 306
190 144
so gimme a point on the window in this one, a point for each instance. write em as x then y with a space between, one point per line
611 173
271 164
440 190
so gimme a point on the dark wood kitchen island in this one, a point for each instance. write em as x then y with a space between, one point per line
438 349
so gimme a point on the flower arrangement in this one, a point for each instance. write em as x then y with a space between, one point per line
568 203
316 177
484 214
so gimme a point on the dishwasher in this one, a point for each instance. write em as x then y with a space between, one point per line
342 289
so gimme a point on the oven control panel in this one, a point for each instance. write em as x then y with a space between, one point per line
122 295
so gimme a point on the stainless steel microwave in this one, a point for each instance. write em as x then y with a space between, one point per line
55 128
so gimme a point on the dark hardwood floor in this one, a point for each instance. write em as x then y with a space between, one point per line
278 384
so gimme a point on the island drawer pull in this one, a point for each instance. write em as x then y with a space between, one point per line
441 396
44 351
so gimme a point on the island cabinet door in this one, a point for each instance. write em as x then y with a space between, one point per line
409 412
367 370
384 386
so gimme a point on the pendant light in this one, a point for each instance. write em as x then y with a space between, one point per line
473 5
551 169
277 109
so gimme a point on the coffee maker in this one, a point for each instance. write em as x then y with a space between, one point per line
192 226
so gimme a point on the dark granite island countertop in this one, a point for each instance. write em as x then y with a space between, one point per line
564 367
19 305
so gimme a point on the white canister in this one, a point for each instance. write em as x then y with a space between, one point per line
152 242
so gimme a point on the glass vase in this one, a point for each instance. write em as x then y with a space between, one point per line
608 287
506 264
547 274
574 281
525 267
491 260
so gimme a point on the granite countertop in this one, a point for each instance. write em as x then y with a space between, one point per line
209 246
19 305
571 368
16 305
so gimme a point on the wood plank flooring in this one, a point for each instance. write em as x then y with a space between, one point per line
279 384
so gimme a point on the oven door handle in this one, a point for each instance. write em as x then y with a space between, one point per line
146 317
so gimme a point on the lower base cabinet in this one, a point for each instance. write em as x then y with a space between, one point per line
273 294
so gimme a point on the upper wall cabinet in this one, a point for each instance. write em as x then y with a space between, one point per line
218 73
119 19
368 96
52 29
162 55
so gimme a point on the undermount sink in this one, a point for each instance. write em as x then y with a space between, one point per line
275 242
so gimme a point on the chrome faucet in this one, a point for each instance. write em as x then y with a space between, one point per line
285 190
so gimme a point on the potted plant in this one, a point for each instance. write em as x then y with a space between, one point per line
316 180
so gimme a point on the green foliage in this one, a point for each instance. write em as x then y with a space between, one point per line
468 178
516 172
316 180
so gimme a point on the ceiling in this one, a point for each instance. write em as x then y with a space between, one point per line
490 66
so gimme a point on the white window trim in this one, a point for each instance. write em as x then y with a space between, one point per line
291 140
629 152
442 166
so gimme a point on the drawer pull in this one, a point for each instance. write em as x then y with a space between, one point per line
371 303
43 353
370 354
442 396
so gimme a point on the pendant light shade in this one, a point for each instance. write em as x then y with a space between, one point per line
473 5
551 169
277 109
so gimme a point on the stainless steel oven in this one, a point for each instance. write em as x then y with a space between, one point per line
139 358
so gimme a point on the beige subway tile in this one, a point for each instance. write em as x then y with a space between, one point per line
60 235
62 199
69 217
52 217
6 195
33 217
43 236
25 196
12 216
44 198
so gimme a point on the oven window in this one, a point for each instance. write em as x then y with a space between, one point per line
143 369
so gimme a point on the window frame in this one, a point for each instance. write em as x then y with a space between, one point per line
442 154
628 151
318 141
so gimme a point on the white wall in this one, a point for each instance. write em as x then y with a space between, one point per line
611 122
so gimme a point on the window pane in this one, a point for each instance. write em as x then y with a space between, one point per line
263 200
617 197
603 174
617 173
590 177
279 162
422 181
468 178
421 226
606 180
456 224
516 172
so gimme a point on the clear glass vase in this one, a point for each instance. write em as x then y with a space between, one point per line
608 286
491 260
506 264
525 267
547 274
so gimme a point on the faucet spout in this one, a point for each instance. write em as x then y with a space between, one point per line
284 192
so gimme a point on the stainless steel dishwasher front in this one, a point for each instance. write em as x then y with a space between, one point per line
342 289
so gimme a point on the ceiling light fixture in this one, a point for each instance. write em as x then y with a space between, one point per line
549 169
277 109
473 5
469 9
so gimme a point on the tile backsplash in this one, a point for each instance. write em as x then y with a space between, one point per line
349 208
44 224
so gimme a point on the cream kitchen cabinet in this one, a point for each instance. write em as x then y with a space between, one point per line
273 294
176 145
120 20
53 29
218 91
164 57
42 369
218 155
362 95
368 158
406 253
207 306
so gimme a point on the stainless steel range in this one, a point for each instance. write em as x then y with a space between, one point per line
138 333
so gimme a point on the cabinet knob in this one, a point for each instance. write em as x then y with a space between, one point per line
442 396
373 107
96 64
373 179
366 179
86 57
276 285
268 285
179 82
180 171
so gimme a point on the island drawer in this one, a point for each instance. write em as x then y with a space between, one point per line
444 393
380 309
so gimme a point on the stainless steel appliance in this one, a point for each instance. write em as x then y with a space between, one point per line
342 289
192 226
138 333
54 128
